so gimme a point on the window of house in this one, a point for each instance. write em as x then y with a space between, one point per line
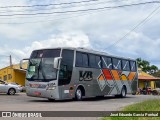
5 77
9 76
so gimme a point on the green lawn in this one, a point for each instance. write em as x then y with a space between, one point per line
149 105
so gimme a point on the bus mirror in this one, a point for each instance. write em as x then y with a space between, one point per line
56 62
21 63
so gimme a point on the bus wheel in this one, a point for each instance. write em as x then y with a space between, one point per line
78 94
123 92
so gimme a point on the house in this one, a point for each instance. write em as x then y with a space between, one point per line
146 80
14 74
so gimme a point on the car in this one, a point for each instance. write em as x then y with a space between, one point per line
8 88
22 88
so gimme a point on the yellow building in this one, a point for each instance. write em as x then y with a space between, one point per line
145 80
14 74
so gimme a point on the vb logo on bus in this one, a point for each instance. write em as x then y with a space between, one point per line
85 75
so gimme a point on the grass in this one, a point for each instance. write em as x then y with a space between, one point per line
149 105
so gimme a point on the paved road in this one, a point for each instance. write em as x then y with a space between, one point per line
21 102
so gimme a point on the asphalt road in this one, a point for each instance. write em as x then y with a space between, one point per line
21 102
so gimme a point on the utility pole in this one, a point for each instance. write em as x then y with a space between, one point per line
10 59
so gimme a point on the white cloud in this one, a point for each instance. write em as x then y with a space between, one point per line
96 30
74 39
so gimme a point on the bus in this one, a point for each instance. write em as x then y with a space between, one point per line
67 73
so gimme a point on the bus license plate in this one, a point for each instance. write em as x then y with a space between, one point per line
37 93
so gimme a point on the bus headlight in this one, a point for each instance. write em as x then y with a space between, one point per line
51 87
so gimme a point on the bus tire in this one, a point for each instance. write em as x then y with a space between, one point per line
78 94
123 92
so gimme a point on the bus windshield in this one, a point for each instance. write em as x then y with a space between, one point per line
41 69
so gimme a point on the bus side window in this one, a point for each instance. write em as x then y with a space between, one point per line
133 66
98 62
79 60
107 62
92 61
125 65
85 60
116 64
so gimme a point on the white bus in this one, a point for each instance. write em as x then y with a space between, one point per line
66 73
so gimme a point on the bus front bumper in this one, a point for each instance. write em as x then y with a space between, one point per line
43 93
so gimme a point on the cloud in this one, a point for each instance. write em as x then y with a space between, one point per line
74 39
94 29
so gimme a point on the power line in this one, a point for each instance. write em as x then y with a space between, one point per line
140 23
51 20
48 4
83 10
33 10
100 3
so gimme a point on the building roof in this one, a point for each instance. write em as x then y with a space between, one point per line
20 70
16 66
140 77
145 76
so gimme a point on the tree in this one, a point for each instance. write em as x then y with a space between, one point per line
153 69
156 74
146 67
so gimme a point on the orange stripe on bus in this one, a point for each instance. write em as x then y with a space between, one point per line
115 74
107 74
101 77
131 75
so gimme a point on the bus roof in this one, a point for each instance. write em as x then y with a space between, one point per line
92 51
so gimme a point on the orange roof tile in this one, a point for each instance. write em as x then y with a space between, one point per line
140 77
145 76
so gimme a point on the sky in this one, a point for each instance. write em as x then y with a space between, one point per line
110 30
